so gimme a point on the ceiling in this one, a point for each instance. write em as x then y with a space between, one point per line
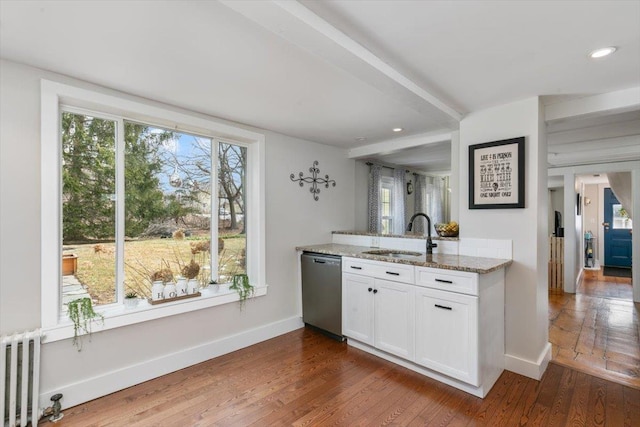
342 72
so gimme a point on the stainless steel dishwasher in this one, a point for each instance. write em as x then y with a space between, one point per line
322 292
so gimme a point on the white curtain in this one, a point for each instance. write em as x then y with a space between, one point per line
375 184
620 183
435 208
420 191
429 192
399 186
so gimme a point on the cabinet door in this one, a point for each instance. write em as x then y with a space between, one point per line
447 333
394 318
357 307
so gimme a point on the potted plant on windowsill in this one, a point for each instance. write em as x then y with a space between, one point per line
81 313
131 299
158 280
190 271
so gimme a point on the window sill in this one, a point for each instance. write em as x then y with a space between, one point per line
117 316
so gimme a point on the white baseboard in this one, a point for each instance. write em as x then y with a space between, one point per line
528 368
579 277
92 388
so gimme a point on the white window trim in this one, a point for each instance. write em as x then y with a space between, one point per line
53 95
387 183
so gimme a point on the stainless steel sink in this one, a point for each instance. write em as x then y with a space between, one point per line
393 253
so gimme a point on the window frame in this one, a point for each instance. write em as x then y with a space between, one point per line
57 97
387 183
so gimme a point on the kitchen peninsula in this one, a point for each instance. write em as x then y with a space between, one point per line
442 261
441 314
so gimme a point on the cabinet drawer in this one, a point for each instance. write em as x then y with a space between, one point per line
382 270
356 266
447 280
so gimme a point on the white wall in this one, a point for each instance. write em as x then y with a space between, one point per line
573 242
118 357
600 220
361 183
526 312
590 215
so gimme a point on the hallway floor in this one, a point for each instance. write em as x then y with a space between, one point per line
597 330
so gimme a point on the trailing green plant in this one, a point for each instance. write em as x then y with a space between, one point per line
81 313
243 287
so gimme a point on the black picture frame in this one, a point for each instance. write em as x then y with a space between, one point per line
496 174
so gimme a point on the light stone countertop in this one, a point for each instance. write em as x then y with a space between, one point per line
443 261
407 235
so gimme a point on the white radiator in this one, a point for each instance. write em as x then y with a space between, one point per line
19 378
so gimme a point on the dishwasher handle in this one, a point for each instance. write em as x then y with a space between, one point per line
315 258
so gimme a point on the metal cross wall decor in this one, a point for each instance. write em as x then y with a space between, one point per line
314 180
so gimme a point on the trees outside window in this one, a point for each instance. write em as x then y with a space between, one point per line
143 201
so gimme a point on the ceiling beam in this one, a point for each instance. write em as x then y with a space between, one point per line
605 104
388 147
302 27
603 155
591 133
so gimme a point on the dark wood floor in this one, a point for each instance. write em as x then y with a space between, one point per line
306 379
597 330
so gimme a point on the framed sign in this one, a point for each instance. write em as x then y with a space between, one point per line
496 174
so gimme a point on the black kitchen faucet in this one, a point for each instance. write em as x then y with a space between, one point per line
430 244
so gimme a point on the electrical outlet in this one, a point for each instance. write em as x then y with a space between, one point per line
375 241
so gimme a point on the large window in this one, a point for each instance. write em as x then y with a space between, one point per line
130 190
167 214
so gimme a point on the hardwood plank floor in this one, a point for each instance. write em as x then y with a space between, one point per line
597 330
306 379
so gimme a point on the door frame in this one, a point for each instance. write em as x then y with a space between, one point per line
573 228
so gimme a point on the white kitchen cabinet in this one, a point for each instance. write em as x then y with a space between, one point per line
394 318
446 324
447 333
357 307
460 325
379 305
379 313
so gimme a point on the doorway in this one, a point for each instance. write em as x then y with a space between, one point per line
597 329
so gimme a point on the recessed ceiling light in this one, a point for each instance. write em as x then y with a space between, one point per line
398 129
601 53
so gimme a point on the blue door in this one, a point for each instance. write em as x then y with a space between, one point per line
617 232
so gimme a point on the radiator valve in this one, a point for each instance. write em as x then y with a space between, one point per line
57 406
